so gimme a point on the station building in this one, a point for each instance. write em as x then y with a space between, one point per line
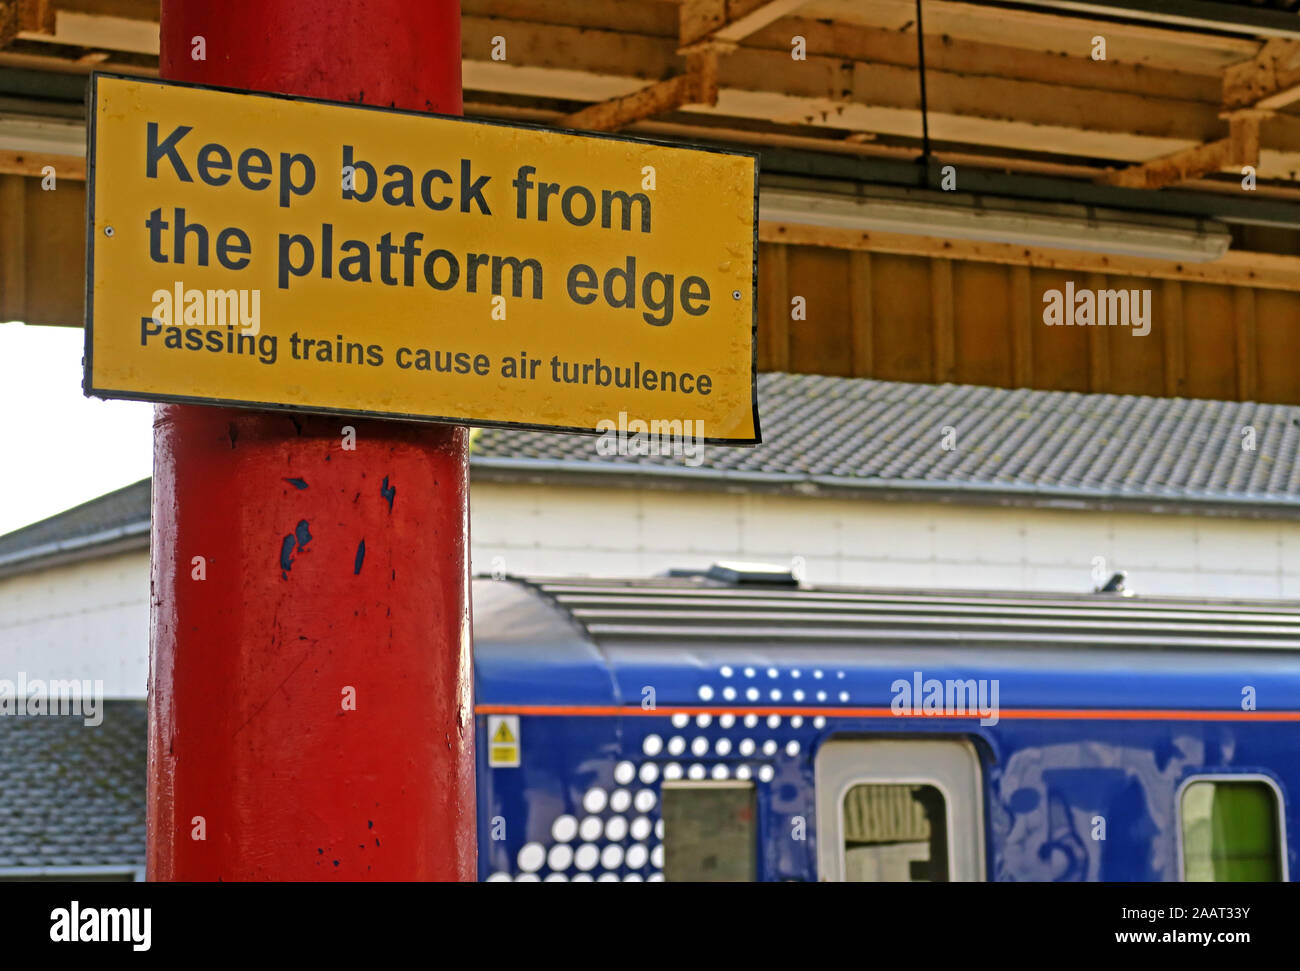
1029 331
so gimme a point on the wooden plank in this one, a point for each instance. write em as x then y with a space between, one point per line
632 16
1176 167
55 258
127 9
1025 313
901 311
1037 113
860 315
1247 343
820 344
655 99
1098 341
8 22
699 18
1003 98
1136 363
36 16
104 33
1036 30
984 312
1234 268
1174 330
33 163
1034 103
730 20
1270 79
773 308
706 36
990 57
13 247
1240 148
1277 346
941 317
1211 342
1061 353
747 16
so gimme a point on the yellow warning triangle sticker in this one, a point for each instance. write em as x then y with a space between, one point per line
503 733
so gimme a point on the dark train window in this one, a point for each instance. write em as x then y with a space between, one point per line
710 832
1230 831
895 833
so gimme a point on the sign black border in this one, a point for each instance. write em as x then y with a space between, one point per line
89 389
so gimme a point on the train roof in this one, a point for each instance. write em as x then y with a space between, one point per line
709 640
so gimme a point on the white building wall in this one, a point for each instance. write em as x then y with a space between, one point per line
91 620
578 530
81 620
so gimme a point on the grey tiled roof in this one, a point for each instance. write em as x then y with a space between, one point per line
120 508
857 432
72 794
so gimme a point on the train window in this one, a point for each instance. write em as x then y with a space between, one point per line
1231 831
895 833
710 831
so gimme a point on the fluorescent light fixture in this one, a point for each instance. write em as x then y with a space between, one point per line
43 135
1003 221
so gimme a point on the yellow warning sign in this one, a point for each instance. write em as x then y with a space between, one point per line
269 251
503 741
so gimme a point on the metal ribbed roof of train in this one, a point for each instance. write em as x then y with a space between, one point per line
701 609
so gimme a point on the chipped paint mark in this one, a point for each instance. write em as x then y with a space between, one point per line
388 492
361 556
286 556
297 483
300 537
233 432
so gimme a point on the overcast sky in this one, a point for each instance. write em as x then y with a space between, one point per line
61 448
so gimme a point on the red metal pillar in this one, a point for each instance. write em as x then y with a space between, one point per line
310 698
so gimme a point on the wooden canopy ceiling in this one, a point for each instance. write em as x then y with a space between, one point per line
1015 88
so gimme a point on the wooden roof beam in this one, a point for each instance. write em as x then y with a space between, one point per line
19 16
730 20
1269 80
1252 91
699 85
8 23
1240 148
706 29
36 15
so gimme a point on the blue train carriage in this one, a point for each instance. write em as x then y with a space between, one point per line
737 727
